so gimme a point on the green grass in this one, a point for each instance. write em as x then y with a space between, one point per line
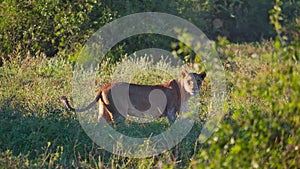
261 127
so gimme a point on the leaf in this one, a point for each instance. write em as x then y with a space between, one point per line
236 149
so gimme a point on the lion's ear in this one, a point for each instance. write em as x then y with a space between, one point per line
184 73
202 75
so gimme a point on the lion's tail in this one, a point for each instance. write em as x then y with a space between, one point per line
68 106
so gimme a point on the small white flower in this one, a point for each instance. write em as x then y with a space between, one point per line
254 164
232 140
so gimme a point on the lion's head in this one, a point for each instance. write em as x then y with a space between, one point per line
192 82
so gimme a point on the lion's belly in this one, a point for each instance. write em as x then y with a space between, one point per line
141 100
152 103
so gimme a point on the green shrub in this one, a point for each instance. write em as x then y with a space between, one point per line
49 26
62 27
262 126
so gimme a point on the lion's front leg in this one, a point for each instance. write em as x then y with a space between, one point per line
184 107
171 114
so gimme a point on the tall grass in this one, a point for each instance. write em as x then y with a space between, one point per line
38 132
260 128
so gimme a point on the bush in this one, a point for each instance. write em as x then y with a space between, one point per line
49 26
261 128
62 27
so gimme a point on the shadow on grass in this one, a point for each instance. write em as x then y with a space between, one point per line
58 133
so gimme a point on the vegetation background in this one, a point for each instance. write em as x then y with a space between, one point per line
258 44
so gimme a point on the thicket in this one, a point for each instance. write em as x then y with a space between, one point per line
60 27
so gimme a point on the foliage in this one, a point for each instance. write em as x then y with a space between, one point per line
261 127
49 26
61 27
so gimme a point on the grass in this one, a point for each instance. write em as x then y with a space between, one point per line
260 127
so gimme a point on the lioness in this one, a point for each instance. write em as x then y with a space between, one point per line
163 100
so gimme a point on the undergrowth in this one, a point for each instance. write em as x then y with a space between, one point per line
260 128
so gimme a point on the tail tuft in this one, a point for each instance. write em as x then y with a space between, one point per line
63 99
66 102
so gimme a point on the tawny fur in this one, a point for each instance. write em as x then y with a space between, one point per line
176 91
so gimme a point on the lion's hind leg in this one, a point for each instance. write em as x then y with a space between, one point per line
104 113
